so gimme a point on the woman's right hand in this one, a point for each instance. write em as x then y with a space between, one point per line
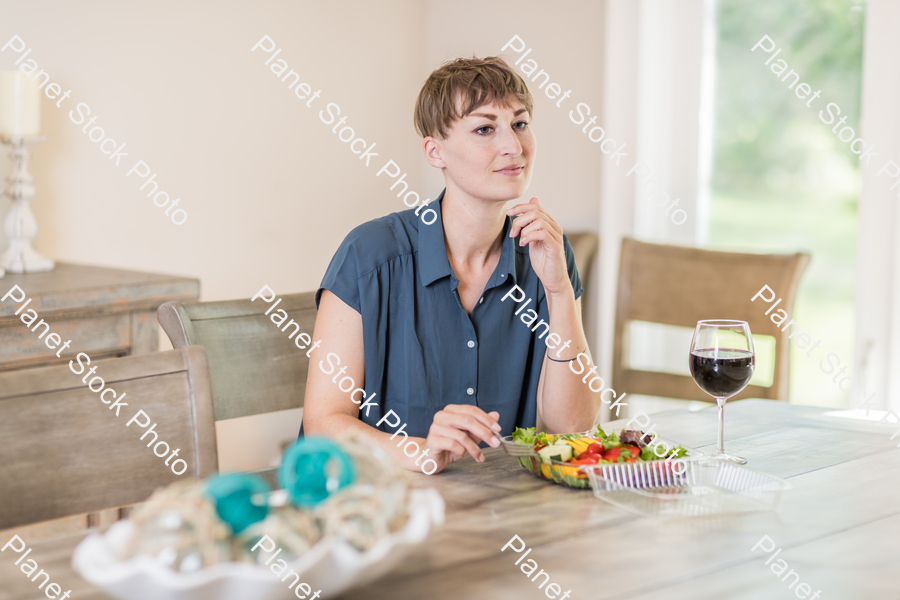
456 431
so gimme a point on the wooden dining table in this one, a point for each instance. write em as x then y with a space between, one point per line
837 527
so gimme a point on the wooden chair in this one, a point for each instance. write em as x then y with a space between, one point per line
584 246
254 366
63 452
676 285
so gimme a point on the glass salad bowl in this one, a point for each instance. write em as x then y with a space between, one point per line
559 466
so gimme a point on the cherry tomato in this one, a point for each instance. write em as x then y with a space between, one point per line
595 449
589 459
635 452
612 455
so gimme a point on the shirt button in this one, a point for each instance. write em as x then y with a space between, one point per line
471 344
482 300
470 391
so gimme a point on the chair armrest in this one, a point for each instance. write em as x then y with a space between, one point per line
176 323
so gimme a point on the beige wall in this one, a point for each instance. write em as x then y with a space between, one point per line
269 190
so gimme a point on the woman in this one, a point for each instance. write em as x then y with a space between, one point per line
440 320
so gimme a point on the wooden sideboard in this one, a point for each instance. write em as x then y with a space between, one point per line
105 312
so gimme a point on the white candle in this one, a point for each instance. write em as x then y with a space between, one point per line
20 104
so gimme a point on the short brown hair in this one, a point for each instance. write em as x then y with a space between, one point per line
474 81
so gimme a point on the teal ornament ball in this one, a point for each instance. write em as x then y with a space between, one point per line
240 500
313 469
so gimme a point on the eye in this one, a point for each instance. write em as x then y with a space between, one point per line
484 130
524 125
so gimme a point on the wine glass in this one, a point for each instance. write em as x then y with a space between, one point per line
722 361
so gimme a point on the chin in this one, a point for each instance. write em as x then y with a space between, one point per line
497 191
510 191
501 196
515 192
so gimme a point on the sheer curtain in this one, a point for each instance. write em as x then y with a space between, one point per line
877 369
658 92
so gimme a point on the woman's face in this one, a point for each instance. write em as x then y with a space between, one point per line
488 153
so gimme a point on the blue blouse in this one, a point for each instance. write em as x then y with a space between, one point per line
422 350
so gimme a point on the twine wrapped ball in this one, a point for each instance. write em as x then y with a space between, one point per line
240 500
313 469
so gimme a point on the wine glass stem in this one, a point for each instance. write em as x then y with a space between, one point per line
721 446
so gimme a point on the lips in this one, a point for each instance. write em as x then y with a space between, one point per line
511 170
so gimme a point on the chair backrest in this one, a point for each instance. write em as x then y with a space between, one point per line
64 452
584 246
677 285
254 366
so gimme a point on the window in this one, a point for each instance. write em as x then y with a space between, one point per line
782 181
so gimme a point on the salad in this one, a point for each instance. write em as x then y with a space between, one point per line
560 456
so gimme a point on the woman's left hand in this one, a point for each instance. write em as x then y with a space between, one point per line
544 237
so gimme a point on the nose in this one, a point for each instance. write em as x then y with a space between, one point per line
509 142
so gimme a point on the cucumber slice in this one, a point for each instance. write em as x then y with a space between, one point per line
562 452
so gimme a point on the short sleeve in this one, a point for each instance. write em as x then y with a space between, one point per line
365 248
342 276
572 268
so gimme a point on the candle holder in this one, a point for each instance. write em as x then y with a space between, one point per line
21 225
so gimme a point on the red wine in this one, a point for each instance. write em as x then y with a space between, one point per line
722 373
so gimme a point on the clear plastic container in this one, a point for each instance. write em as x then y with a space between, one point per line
573 476
686 487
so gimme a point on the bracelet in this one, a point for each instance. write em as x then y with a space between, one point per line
567 360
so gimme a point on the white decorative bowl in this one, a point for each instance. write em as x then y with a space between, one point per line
332 565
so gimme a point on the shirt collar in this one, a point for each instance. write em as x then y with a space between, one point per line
432 253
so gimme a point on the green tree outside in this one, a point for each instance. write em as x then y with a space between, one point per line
782 181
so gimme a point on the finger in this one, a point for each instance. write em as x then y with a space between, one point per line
472 436
439 443
521 209
524 207
470 425
468 409
543 226
537 225
551 224
457 451
556 226
487 419
529 217
472 428
552 244
543 233
535 209
535 236
462 438
522 221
